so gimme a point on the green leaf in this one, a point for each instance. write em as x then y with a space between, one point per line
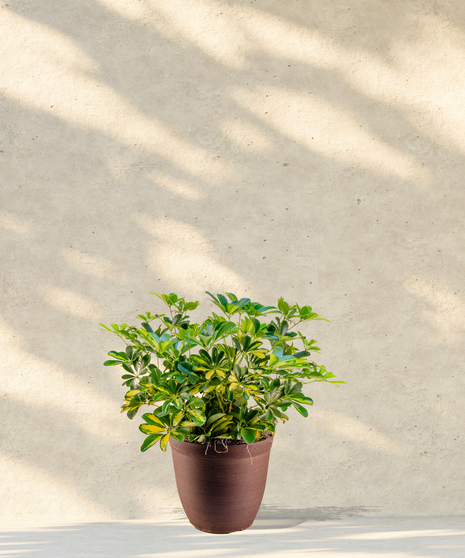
132 413
147 327
301 354
150 441
185 367
283 306
213 297
237 343
302 410
155 374
248 435
225 329
122 357
112 362
268 310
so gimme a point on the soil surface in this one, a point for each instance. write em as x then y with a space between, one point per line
228 441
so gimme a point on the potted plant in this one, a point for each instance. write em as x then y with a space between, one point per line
217 390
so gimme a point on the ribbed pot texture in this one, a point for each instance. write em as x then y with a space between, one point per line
221 487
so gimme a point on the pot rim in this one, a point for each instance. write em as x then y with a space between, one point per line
218 451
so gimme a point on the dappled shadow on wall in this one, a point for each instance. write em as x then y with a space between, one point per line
142 150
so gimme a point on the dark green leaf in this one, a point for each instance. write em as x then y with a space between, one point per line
213 297
132 413
185 367
248 435
302 410
301 354
119 356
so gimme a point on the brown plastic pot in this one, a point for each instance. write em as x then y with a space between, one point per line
221 487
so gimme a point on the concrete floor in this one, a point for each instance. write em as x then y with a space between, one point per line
359 537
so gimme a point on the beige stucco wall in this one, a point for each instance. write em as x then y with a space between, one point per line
309 149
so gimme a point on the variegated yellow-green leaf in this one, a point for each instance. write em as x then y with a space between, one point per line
152 419
151 428
210 388
150 441
273 360
179 436
221 424
131 405
303 400
302 410
164 441
197 416
252 387
214 417
177 417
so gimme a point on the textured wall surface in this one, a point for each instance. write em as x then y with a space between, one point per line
306 149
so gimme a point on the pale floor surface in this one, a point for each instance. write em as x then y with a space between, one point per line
356 537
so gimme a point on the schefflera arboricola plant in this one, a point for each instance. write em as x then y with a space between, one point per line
231 377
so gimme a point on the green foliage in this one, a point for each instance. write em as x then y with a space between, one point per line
233 376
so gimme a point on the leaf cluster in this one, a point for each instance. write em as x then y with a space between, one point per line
233 376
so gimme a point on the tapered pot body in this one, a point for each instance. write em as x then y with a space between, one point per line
221 487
